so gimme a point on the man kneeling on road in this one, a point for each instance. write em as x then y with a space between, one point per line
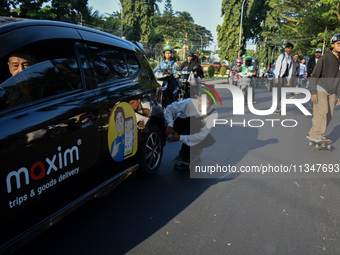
187 124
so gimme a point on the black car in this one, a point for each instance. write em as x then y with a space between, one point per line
82 115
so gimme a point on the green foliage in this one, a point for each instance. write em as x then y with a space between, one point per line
228 33
307 24
179 29
153 64
4 8
223 70
211 71
138 19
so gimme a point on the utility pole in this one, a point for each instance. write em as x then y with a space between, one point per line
239 41
121 22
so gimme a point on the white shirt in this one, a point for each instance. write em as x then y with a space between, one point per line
303 69
189 108
281 64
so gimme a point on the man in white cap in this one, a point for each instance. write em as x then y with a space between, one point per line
312 62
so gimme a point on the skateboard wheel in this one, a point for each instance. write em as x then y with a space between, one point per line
317 146
311 144
329 147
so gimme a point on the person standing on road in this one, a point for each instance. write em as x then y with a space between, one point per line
295 72
283 70
325 87
312 62
303 70
310 67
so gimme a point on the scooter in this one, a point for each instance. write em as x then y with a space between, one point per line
163 77
186 83
234 77
183 90
244 83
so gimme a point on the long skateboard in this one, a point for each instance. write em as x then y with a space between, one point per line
323 144
181 163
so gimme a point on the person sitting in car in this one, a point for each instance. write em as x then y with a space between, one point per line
18 61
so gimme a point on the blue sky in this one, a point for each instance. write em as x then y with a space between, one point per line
205 13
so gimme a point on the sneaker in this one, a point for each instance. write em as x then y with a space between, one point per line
318 139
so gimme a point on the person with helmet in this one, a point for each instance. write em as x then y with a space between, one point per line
325 89
237 67
191 65
283 72
244 59
263 72
249 68
169 64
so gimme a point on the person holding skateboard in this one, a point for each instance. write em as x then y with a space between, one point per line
325 88
186 123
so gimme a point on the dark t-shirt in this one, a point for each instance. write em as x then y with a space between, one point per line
296 68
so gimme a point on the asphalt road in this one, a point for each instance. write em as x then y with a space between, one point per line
228 213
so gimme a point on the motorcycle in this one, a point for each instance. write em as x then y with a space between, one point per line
183 90
234 77
164 77
187 79
244 83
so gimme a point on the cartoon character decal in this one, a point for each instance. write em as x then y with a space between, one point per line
122 137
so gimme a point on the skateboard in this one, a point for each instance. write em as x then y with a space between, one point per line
323 144
180 163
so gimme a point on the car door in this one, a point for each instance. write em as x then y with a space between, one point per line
50 138
114 84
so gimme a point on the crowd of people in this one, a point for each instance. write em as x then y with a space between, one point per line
321 75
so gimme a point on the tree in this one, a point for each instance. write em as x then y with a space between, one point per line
308 24
228 33
138 18
71 10
5 8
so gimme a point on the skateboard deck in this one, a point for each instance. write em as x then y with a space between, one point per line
181 163
324 144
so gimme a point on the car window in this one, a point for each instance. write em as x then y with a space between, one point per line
54 72
108 62
132 63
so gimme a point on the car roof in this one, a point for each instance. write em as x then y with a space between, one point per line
10 25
